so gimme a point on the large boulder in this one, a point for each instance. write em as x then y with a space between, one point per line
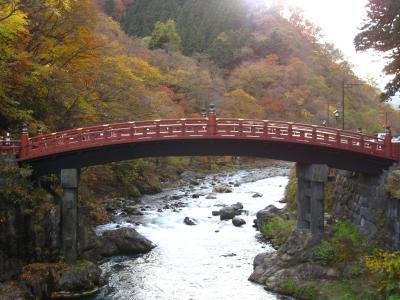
237 206
227 213
81 277
238 221
124 241
292 260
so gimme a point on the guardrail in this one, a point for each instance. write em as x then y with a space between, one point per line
201 128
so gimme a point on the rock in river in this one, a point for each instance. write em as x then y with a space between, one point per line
189 221
81 277
124 241
238 221
222 189
227 213
237 206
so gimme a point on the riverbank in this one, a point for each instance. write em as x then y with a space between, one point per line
345 264
38 272
211 258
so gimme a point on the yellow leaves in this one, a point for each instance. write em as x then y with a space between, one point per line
58 6
151 75
383 262
305 114
241 105
300 101
387 266
12 25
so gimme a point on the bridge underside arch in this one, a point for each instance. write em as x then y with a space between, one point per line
294 152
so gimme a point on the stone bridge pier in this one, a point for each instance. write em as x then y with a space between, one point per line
69 214
310 197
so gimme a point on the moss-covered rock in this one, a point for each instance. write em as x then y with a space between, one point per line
80 277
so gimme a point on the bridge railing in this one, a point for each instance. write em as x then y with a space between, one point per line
301 133
9 146
210 127
112 133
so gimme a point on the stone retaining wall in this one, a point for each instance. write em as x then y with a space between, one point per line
8 160
362 200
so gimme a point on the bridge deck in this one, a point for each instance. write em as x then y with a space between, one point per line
83 139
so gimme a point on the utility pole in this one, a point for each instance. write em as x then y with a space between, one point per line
327 115
344 86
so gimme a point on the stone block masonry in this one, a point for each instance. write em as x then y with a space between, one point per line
8 160
310 197
362 200
69 214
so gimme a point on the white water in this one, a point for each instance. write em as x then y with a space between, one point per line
211 260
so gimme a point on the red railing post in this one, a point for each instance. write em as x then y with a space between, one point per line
24 140
396 151
157 128
362 143
388 142
212 120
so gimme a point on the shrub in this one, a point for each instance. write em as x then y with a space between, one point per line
325 253
346 290
17 188
291 191
278 230
307 291
345 244
387 266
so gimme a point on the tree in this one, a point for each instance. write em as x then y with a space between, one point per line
239 104
165 33
141 15
13 36
230 47
7 9
381 32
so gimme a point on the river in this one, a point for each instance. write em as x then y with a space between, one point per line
211 260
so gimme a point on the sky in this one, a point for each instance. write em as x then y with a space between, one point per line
340 21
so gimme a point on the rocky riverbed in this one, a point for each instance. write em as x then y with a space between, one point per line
204 236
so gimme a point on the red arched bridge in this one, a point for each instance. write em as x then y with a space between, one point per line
288 141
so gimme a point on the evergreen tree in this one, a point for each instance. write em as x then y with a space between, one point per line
142 15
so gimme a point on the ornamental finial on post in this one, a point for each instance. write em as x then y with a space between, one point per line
24 128
212 120
204 112
211 108
24 140
388 141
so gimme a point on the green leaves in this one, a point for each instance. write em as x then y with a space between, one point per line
164 35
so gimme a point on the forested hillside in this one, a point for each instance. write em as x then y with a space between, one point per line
67 64
260 64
